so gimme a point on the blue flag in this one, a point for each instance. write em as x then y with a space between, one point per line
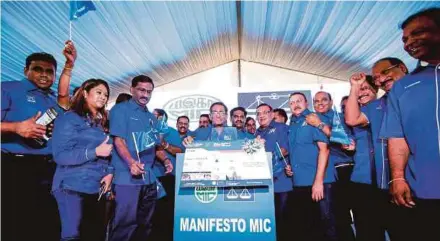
144 140
79 8
339 135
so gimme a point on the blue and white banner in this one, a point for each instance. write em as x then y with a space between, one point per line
223 213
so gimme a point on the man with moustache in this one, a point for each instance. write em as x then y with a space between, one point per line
341 156
182 126
238 117
134 181
411 126
313 177
275 136
204 121
27 169
386 72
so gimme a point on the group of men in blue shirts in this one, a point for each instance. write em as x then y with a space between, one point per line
388 175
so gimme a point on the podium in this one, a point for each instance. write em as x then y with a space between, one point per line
224 192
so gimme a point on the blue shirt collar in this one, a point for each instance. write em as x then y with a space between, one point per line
135 106
303 115
422 65
30 86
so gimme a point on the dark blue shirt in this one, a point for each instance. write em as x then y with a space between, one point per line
173 138
125 119
20 101
75 139
337 154
413 114
303 151
374 113
363 156
277 133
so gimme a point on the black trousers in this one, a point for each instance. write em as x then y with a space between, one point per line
343 203
312 220
29 211
426 220
374 214
163 218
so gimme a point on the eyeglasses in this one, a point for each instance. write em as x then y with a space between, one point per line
385 71
220 113
263 113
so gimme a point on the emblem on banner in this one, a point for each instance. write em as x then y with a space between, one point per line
205 194
190 105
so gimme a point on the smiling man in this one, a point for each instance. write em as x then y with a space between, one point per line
135 183
411 126
313 177
386 72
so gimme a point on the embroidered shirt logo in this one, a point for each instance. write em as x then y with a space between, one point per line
133 118
31 99
272 131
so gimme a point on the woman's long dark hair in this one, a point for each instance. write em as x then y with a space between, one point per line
79 104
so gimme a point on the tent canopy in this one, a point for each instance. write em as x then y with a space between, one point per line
171 40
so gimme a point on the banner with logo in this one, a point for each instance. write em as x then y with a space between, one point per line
219 214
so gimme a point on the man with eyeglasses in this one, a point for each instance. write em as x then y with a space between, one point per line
215 132
312 200
275 136
412 127
341 156
386 72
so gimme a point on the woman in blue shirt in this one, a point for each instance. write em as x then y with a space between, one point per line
81 151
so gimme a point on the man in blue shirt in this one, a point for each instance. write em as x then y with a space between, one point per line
204 121
313 214
238 117
182 126
386 72
341 156
274 135
27 166
216 131
412 127
163 219
135 183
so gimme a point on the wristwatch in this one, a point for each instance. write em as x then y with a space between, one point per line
321 125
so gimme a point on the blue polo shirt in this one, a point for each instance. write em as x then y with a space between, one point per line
337 154
277 132
363 156
413 114
173 138
375 113
125 119
75 139
20 101
303 151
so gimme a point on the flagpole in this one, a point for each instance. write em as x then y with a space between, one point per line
278 146
137 152
70 30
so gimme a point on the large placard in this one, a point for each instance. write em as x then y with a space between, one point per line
227 163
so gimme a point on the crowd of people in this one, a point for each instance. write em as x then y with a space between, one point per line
81 176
